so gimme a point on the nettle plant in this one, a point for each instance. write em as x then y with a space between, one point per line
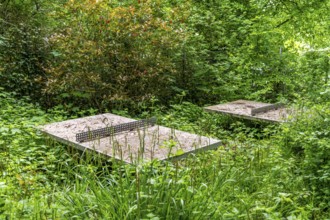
110 53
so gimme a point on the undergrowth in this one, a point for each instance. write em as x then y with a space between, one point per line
249 177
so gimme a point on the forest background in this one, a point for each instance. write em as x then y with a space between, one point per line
166 58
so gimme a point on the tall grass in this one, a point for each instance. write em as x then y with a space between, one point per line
242 183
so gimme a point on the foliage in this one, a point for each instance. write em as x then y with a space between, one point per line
309 139
110 54
220 30
241 53
250 49
122 54
23 50
314 67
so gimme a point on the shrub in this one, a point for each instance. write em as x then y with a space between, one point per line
23 50
114 53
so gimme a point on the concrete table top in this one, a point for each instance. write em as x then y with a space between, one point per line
252 110
142 144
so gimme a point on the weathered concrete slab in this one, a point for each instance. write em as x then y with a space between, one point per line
266 108
252 110
144 144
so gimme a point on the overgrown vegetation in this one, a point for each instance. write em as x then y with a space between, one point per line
165 59
245 178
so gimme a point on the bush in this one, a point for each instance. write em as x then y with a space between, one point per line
23 50
110 54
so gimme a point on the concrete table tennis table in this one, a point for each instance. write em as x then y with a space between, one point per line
132 146
253 110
